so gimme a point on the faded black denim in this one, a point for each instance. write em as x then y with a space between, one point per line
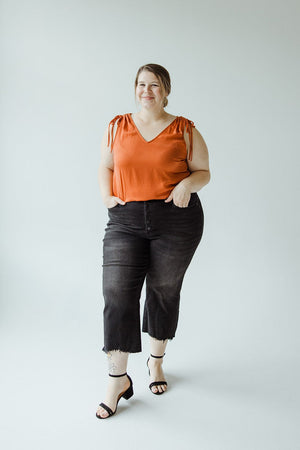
150 240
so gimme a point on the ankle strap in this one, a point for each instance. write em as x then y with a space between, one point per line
153 356
122 375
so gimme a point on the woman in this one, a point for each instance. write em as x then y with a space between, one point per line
152 165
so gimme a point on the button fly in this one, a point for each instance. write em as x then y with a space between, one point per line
147 216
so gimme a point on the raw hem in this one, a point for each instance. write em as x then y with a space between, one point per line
159 339
120 350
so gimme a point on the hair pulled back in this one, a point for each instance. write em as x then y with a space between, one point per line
161 73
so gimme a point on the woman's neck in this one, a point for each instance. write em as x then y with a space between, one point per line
147 115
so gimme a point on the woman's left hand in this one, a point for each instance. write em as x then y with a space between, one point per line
180 195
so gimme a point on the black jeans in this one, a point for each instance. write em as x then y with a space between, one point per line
150 240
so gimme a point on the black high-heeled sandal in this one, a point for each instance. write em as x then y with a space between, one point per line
156 383
126 394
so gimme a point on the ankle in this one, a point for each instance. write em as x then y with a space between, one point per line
158 357
155 361
117 381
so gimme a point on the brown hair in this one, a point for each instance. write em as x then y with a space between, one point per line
161 73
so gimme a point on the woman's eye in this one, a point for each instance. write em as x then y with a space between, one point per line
155 85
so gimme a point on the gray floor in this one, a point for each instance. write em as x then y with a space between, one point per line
233 369
51 385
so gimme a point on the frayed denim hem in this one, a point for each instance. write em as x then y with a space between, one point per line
121 350
159 338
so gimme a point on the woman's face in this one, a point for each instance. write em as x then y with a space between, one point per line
149 91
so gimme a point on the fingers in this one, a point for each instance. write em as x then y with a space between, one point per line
180 196
121 202
169 198
181 205
181 202
112 201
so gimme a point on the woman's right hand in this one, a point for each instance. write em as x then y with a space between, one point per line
112 201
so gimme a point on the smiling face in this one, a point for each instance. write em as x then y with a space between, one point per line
149 90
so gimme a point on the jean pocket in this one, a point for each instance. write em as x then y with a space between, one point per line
194 200
113 207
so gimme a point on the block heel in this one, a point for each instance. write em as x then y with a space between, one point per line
128 394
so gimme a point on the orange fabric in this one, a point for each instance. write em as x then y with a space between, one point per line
148 170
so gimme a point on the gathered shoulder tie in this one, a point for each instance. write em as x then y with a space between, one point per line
189 125
111 129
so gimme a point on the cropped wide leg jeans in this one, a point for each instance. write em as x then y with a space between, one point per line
153 241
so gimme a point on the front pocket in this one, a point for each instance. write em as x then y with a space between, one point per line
193 201
113 207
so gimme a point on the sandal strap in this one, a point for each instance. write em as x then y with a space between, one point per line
157 383
107 408
122 375
153 356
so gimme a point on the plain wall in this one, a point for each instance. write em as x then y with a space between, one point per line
68 68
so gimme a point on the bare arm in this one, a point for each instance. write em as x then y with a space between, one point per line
199 168
105 174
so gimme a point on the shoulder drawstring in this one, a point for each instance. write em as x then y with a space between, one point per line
110 130
190 125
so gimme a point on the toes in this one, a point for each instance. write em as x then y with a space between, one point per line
160 388
102 413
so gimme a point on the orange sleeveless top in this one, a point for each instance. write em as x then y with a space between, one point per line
148 170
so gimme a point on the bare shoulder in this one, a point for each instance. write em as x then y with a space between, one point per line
200 159
104 141
198 140
111 130
106 157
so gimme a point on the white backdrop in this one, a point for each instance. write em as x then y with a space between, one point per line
68 68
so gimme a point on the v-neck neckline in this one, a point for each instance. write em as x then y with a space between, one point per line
151 140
